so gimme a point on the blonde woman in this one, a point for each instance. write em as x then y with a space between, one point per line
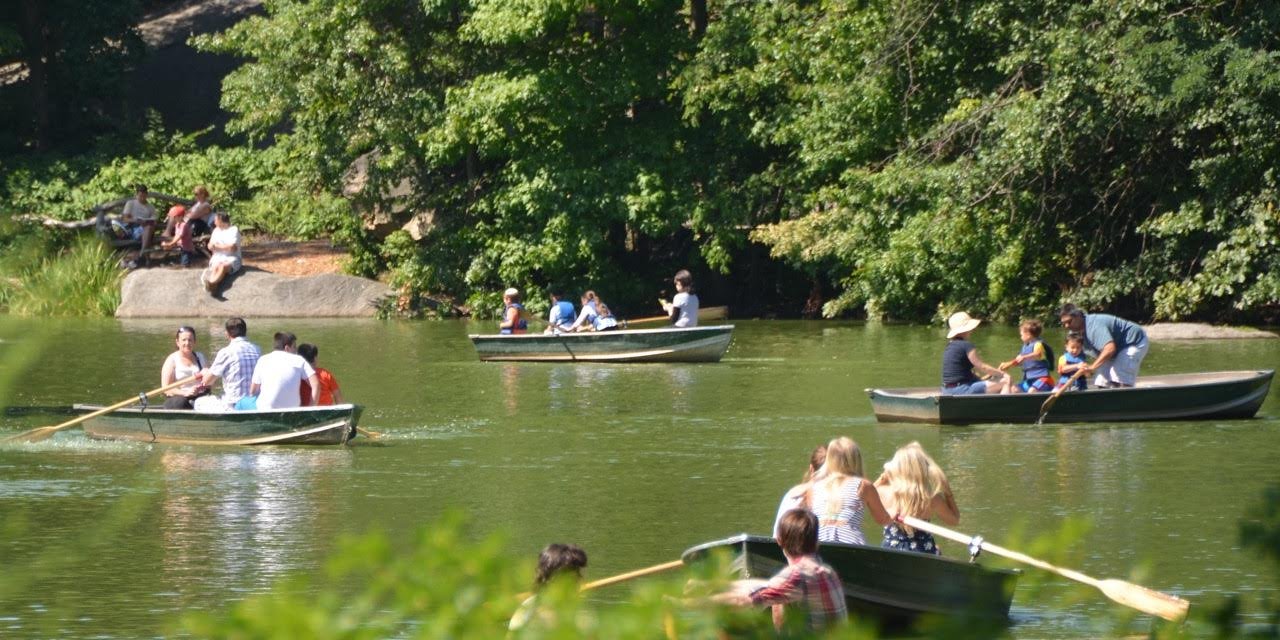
914 485
839 494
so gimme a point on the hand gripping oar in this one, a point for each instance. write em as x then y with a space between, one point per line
1044 408
1126 593
41 433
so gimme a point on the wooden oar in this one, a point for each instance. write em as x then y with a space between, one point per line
41 433
705 313
1048 402
1126 593
372 435
638 573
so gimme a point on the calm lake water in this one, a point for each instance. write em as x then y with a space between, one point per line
634 462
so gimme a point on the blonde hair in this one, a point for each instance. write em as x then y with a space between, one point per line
844 461
914 481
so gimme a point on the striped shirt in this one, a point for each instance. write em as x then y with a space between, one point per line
234 364
813 586
844 524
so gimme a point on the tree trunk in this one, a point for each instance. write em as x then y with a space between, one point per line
698 15
36 52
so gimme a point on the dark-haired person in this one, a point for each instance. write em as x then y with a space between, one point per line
182 364
562 313
555 560
224 245
329 392
806 583
683 308
1116 345
138 220
797 497
278 377
234 363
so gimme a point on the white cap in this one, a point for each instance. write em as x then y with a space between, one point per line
511 292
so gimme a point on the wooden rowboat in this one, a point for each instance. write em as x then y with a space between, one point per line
694 344
333 424
1189 396
891 586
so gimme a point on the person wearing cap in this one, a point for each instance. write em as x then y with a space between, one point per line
960 360
182 234
514 318
1117 345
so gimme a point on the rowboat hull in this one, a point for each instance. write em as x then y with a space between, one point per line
326 425
694 344
1192 396
889 586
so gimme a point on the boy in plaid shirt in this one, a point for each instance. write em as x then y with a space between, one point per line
805 583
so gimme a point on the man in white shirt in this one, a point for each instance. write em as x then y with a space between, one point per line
277 380
139 219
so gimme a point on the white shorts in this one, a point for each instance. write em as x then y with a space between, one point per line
1122 368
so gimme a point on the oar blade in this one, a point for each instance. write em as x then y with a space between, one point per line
34 435
1146 600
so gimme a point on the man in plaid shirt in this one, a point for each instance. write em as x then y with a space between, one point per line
234 364
805 583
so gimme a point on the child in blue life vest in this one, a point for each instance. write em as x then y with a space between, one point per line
562 313
1071 361
1035 359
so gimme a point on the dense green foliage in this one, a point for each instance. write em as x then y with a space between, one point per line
923 156
904 158
42 275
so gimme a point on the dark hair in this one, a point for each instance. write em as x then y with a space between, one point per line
816 460
308 352
685 279
223 216
236 328
141 188
1075 336
285 339
559 558
1033 327
185 329
798 532
556 292
1069 309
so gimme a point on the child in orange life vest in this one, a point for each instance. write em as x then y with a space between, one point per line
329 392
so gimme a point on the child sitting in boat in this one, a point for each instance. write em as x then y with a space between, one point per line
1071 361
557 561
562 313
604 320
806 581
1035 359
329 392
586 317
914 485
514 317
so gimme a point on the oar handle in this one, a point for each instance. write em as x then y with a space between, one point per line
657 568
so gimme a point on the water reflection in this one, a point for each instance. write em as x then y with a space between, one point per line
228 517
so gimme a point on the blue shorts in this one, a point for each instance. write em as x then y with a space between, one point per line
1036 384
966 389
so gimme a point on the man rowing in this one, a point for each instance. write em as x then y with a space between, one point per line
1116 345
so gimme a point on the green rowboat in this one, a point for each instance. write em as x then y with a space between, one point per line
333 424
1189 396
693 344
891 586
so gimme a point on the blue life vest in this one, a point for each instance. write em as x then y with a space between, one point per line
1035 369
562 314
521 326
1080 383
600 323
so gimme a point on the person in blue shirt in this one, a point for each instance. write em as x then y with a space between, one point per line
562 313
1116 345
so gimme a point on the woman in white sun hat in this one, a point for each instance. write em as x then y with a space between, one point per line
960 361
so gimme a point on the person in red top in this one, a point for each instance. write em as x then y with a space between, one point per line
329 392
806 583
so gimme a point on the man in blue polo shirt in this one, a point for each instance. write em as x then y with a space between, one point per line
1117 345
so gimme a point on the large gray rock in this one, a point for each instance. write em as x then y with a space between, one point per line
1194 331
177 293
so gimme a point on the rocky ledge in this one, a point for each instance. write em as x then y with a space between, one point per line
177 293
1192 331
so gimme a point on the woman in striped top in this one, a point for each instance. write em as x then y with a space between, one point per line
839 494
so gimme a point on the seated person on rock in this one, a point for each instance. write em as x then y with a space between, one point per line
198 215
224 243
137 220
182 239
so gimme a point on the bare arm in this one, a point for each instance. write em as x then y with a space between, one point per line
871 499
254 388
314 381
509 318
982 366
945 507
1108 350
166 375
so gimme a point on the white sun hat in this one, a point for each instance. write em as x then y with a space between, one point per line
961 322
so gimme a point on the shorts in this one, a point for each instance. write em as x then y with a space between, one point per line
966 389
1036 384
1122 368
127 230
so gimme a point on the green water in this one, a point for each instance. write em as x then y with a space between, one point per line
634 462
